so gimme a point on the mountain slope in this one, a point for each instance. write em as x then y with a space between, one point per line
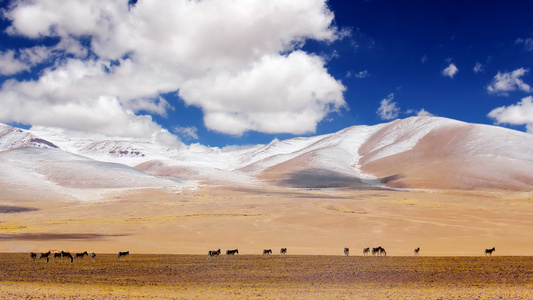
446 154
418 152
11 138
53 169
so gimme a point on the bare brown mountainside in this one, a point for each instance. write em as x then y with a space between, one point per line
455 156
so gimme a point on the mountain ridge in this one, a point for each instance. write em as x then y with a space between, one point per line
414 153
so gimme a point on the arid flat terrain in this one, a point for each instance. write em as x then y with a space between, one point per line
273 277
170 232
307 221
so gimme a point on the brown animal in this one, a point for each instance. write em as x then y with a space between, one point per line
46 255
213 253
68 255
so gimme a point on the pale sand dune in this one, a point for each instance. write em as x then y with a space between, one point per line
253 219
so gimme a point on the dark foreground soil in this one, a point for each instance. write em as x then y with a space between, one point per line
274 277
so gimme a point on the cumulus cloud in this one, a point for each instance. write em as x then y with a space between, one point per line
238 61
424 113
9 65
503 83
450 71
190 132
271 96
388 110
517 114
419 113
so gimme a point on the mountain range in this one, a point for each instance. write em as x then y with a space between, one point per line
412 153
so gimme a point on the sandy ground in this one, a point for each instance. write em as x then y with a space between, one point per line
274 277
322 222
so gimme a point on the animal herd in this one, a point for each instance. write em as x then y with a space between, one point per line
266 252
377 251
380 251
67 255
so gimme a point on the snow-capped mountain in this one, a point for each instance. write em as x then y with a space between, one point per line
418 152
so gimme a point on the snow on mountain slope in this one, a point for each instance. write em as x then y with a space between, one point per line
50 168
449 155
417 152
125 152
325 161
11 138
400 136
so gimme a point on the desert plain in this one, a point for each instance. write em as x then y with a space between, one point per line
175 228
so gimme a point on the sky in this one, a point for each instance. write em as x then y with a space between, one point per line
240 72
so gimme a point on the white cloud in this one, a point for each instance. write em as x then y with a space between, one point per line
424 113
388 110
236 102
503 83
419 113
190 132
10 65
128 57
528 43
362 74
478 67
450 71
517 114
359 75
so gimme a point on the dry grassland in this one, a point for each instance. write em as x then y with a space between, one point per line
274 277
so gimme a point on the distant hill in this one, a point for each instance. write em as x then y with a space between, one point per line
415 153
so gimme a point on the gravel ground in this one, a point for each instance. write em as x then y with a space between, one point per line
274 277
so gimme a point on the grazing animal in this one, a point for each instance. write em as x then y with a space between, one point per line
267 252
57 255
283 251
417 251
93 256
488 252
67 254
366 251
379 251
33 256
78 255
123 254
346 251
46 255
232 252
213 253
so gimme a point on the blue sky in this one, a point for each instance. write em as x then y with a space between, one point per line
234 73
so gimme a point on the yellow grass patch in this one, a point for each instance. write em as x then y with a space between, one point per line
13 228
252 276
